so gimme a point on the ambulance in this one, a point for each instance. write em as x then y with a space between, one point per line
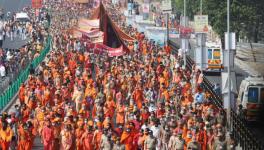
251 97
214 57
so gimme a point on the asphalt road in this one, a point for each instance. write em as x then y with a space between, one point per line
14 5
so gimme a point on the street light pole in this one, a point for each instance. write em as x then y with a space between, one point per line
184 13
228 68
185 40
201 7
167 26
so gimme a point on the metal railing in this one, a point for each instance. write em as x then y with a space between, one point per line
22 77
241 133
12 75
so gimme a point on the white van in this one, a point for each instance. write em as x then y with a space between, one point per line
251 97
22 17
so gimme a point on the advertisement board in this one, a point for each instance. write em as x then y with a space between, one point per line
36 4
201 23
166 6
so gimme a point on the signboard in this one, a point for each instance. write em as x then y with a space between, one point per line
166 6
201 23
173 34
231 39
185 32
145 8
36 4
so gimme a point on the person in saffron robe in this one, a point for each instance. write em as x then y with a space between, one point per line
120 114
57 130
66 138
5 136
138 96
78 135
21 94
24 139
48 136
110 107
127 139
97 135
87 138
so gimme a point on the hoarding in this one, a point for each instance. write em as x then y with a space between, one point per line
166 5
201 23
36 4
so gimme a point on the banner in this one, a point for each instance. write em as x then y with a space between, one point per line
91 23
36 4
81 1
98 48
201 23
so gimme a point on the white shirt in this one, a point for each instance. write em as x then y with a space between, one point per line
156 131
2 71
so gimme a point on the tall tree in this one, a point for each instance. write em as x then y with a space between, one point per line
246 16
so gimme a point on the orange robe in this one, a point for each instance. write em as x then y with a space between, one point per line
48 138
120 115
138 97
21 94
87 139
97 139
24 142
111 108
78 135
127 139
5 138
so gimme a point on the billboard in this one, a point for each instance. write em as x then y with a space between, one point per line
201 23
36 4
166 6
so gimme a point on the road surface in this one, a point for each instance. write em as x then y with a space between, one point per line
14 5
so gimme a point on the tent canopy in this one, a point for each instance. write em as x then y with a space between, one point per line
114 37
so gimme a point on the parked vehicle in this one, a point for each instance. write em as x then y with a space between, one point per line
251 97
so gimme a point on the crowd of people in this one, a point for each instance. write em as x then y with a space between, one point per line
13 60
143 100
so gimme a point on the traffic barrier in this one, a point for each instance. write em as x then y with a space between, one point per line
13 89
241 133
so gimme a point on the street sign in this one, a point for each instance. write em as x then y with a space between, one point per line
166 6
232 41
185 32
201 23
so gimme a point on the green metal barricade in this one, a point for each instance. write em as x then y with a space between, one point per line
6 97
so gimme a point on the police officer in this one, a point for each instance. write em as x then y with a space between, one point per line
151 142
